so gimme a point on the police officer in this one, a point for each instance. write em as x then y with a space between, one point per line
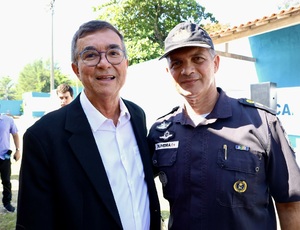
221 161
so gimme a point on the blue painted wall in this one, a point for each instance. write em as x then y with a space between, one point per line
14 107
278 56
278 60
11 107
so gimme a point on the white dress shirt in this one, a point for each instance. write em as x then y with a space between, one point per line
122 161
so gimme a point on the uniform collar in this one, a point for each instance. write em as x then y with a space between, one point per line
222 109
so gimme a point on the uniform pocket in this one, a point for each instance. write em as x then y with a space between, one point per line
238 177
163 158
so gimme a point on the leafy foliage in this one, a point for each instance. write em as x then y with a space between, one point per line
145 24
287 4
35 77
7 89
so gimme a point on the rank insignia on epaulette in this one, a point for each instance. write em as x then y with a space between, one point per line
164 125
252 103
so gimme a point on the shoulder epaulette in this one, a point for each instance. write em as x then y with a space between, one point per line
254 104
173 110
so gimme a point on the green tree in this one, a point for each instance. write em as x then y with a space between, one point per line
145 24
35 77
7 88
286 4
213 27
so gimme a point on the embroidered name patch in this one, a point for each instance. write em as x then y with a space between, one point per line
167 145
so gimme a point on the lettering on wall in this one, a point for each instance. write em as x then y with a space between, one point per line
283 110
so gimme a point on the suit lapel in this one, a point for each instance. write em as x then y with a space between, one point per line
85 149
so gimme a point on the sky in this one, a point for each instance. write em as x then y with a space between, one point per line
236 12
26 31
26 27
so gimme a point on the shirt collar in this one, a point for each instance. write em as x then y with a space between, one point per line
95 118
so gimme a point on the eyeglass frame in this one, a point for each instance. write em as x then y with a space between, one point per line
100 56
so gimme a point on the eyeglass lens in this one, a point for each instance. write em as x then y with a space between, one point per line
93 57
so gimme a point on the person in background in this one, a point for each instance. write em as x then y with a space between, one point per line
65 94
7 128
221 161
87 165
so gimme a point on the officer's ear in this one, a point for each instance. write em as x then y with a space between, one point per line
216 63
167 65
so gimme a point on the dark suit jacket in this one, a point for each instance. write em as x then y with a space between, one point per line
63 183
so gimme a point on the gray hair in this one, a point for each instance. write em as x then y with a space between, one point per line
88 28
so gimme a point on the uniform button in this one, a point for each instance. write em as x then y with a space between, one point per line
257 169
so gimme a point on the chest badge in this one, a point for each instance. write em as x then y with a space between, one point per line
164 125
167 135
240 186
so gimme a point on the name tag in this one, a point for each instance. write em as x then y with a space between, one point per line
167 145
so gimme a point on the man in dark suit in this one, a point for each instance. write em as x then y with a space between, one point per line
87 165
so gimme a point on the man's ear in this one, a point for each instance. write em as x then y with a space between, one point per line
216 63
75 69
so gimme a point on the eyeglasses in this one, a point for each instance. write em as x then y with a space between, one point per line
92 57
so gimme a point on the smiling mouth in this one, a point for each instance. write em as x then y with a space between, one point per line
189 81
106 78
